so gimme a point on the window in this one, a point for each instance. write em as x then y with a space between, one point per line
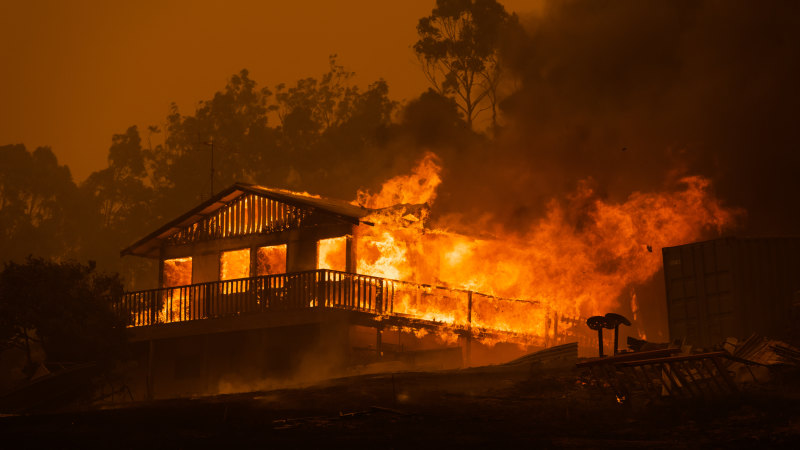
177 272
332 254
234 264
271 260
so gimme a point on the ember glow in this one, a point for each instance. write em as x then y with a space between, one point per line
556 265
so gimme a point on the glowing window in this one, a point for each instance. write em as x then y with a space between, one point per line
177 272
271 260
234 264
332 254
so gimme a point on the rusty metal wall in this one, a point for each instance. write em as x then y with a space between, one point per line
731 287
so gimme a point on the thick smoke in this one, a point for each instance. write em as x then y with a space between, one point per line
630 96
634 95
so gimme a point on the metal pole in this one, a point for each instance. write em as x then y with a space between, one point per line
600 340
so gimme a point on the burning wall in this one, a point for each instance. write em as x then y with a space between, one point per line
582 258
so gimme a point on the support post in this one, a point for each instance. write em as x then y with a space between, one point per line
598 323
548 319
469 310
555 328
161 269
321 278
468 350
351 262
379 297
600 341
614 321
378 332
149 380
253 262
206 374
157 304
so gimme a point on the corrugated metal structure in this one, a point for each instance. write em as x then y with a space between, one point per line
731 287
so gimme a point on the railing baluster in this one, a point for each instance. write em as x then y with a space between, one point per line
362 300
322 288
337 289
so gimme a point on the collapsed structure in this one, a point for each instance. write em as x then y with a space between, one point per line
258 283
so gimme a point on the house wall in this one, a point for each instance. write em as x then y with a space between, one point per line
301 253
205 267
239 360
301 250
272 356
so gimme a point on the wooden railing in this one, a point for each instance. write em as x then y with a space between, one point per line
315 288
458 308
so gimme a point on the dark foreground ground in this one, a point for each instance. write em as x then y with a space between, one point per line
484 407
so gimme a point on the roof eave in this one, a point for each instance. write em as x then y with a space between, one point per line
219 200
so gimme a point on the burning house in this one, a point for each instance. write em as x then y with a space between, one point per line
258 283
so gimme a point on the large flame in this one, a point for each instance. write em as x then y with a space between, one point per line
580 259
418 187
575 267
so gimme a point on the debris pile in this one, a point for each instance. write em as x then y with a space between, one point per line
769 352
556 357
676 370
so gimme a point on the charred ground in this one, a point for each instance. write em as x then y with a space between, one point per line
481 406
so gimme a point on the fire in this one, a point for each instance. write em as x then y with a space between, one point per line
333 254
271 260
416 188
576 261
177 272
235 264
573 267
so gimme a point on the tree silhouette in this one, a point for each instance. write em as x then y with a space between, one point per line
120 190
35 194
67 306
321 134
116 206
458 50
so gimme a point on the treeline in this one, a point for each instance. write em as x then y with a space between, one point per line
322 135
627 98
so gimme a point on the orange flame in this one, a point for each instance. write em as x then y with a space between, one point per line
332 253
418 187
574 269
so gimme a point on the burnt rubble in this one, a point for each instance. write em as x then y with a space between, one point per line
672 371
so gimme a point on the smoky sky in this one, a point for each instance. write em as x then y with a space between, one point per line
633 95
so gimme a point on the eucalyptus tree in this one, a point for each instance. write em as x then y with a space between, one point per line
458 49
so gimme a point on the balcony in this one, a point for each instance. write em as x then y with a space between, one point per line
396 303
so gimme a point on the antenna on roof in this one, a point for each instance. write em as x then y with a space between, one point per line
211 143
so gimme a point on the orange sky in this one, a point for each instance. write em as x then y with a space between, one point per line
76 72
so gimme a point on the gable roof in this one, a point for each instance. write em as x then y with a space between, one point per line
338 209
